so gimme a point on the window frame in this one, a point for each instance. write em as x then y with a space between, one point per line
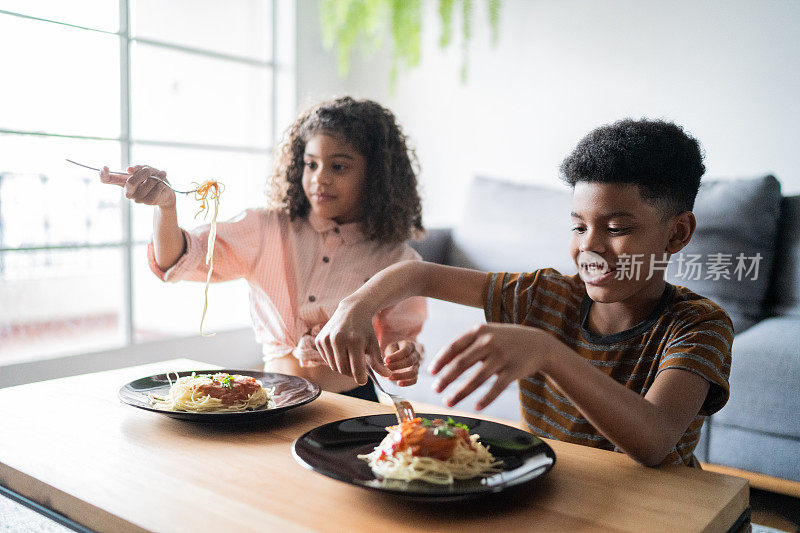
281 63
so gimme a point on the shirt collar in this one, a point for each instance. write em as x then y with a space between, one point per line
351 233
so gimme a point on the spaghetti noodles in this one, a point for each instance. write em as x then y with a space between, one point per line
431 450
209 190
220 392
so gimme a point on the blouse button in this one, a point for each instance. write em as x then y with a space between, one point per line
312 298
326 259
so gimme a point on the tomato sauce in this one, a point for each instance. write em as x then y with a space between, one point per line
240 389
422 440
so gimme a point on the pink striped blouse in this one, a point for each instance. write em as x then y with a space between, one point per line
297 272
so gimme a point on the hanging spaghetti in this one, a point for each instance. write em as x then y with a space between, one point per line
207 192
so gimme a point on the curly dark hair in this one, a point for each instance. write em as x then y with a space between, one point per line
390 187
665 162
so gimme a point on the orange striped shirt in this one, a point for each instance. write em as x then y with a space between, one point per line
297 272
684 331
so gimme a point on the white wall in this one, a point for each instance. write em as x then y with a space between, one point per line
726 70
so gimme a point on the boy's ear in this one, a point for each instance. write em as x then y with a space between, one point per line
681 230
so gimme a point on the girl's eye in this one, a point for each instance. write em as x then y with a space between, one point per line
311 165
338 167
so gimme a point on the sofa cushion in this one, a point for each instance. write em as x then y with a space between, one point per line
765 379
513 227
434 245
783 297
764 453
737 216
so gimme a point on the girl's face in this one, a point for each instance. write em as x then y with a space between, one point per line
333 178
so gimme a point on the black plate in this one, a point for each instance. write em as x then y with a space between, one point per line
290 392
332 450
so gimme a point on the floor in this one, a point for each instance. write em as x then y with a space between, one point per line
776 511
17 518
772 513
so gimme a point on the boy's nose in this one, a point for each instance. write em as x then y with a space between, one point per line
592 242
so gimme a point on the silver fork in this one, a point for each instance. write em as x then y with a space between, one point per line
403 407
126 174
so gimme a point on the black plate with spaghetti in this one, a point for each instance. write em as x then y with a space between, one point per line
290 392
332 450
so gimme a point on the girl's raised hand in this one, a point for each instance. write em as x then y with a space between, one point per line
403 359
139 188
346 342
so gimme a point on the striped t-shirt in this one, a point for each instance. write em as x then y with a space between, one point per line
684 331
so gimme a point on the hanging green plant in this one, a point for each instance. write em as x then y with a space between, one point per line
350 23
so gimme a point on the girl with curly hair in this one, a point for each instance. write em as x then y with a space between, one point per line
343 201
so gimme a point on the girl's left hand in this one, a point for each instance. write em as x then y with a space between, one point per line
403 359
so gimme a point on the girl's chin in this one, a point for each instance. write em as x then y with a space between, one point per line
324 212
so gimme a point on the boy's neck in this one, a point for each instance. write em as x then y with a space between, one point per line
615 317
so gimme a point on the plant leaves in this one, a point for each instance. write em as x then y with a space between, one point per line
446 16
347 24
494 19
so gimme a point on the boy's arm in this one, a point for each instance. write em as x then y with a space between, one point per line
349 334
646 428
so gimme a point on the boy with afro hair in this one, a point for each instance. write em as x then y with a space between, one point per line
603 358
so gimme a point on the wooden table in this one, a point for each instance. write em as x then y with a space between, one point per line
71 446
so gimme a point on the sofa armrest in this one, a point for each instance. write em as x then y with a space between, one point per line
434 246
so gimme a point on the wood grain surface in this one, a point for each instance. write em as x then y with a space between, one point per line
72 446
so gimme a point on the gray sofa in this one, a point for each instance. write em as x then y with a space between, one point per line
513 227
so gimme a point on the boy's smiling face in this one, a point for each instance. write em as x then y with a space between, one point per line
610 220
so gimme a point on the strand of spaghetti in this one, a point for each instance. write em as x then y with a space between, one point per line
210 189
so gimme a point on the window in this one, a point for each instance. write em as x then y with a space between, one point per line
107 83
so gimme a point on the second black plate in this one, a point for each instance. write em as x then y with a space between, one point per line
332 450
290 392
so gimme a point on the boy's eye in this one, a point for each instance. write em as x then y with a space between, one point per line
578 229
617 231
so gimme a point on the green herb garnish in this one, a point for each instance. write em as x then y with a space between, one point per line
446 430
226 381
451 422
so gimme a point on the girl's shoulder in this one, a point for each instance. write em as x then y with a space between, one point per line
264 214
396 251
259 219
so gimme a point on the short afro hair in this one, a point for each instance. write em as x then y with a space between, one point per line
662 160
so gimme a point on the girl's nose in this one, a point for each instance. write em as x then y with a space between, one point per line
322 175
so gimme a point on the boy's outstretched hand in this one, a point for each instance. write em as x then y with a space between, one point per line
508 351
